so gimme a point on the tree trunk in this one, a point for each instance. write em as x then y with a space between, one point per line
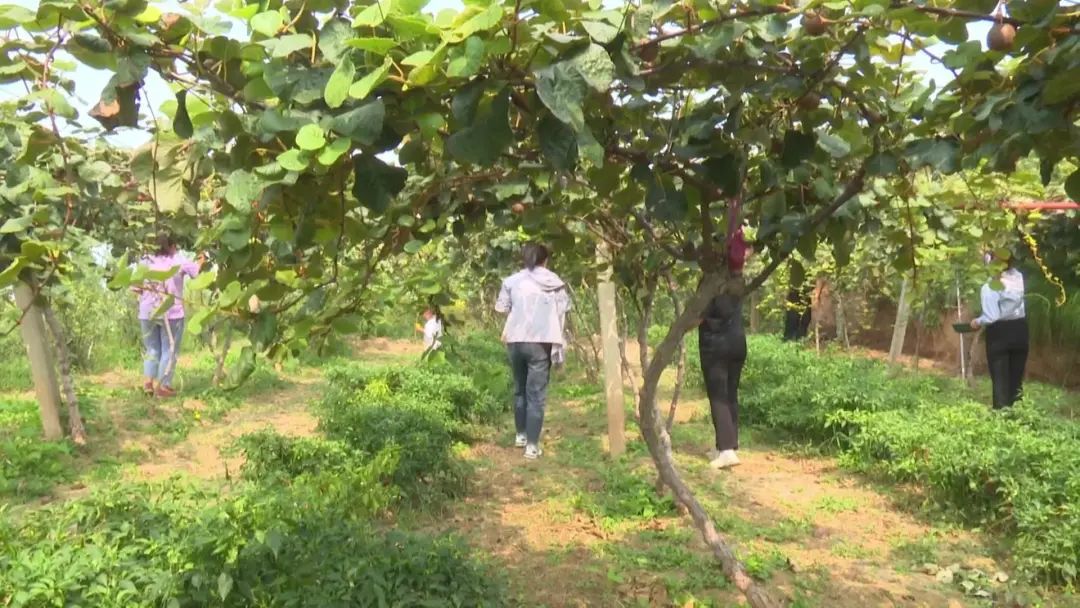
645 321
75 421
41 364
609 334
659 442
755 314
680 373
918 344
841 321
680 377
903 313
628 369
223 353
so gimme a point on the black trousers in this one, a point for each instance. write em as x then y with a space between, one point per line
1006 357
722 375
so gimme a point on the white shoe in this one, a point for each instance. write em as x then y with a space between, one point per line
532 452
520 441
725 460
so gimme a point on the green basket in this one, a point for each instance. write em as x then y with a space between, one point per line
964 328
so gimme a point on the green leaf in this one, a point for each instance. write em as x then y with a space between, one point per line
242 190
464 104
665 202
334 40
372 16
798 146
376 183
481 22
468 64
941 154
1064 86
11 273
589 148
835 146
595 66
1072 185
182 122
363 124
225 582
293 160
268 23
562 89
882 164
724 171
337 88
310 137
95 171
287 45
558 142
413 246
485 141
13 16
363 87
17 224
600 31
378 46
418 59
334 151
202 280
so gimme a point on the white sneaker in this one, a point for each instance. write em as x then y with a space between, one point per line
532 452
725 460
520 441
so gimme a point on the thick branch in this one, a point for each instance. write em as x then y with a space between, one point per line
659 442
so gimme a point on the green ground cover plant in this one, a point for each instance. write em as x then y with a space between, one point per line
1015 473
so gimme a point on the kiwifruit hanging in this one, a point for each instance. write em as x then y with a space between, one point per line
814 24
809 101
649 52
518 207
1001 36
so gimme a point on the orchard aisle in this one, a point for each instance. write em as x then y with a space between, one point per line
573 529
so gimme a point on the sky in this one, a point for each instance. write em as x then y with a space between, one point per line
90 82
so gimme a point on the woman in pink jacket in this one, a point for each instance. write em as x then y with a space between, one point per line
162 330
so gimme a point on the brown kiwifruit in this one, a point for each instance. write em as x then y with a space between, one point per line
814 24
809 101
1001 36
518 208
649 52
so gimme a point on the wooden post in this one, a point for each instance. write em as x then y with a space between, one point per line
609 335
903 313
42 370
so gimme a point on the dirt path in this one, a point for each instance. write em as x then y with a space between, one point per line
573 529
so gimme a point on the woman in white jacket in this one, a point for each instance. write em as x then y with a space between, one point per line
1005 319
535 301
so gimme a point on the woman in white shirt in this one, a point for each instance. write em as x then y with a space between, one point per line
1005 319
535 301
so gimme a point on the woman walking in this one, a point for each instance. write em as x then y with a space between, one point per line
1005 319
535 301
162 330
722 348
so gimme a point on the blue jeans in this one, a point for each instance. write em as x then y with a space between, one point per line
530 363
162 344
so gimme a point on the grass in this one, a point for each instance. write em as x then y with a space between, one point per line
577 524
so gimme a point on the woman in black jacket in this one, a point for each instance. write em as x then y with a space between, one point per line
722 348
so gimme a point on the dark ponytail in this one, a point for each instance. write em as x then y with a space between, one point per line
533 255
